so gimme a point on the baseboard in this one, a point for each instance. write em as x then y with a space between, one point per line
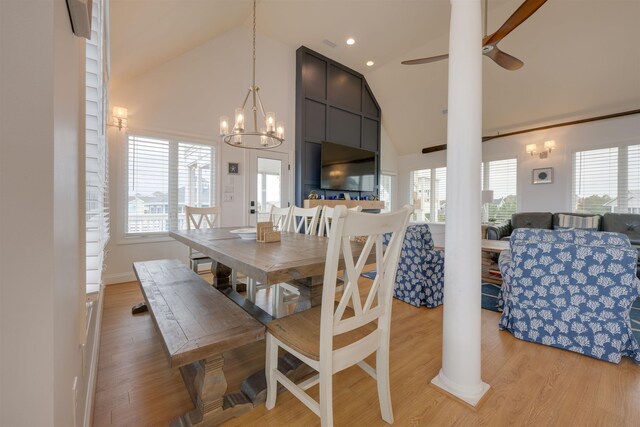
93 364
112 279
129 276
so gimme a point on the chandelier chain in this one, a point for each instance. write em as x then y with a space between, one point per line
254 43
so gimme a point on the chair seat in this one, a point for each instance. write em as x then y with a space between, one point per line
301 332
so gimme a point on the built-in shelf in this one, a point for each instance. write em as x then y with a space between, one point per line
366 204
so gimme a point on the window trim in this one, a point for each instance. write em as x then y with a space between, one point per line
124 238
394 190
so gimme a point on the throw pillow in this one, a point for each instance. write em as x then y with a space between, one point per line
582 222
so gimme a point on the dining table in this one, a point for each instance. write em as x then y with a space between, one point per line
297 259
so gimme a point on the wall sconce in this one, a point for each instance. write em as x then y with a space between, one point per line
549 146
120 117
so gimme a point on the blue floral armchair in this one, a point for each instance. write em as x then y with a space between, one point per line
420 274
571 289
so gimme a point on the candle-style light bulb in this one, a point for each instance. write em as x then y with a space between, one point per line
263 138
271 122
239 125
280 130
224 125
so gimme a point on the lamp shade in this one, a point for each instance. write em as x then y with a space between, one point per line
487 196
120 113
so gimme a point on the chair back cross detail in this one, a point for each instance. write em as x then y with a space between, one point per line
201 217
304 220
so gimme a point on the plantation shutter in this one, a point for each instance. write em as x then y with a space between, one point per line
96 161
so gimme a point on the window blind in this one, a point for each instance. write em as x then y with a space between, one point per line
501 176
607 180
96 155
163 176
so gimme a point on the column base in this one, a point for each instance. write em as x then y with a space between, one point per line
468 396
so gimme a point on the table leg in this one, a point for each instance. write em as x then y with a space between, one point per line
310 292
221 275
207 386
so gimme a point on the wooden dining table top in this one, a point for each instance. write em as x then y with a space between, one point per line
295 257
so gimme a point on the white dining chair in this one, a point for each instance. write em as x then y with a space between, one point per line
335 336
325 219
280 217
304 220
199 218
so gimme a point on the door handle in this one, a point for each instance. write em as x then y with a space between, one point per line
252 211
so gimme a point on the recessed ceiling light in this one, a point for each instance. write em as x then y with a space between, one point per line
369 63
350 41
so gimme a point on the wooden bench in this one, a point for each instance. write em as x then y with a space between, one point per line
197 324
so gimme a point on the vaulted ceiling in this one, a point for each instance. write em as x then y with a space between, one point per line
581 57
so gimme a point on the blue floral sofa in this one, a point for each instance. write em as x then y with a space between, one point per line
571 289
420 274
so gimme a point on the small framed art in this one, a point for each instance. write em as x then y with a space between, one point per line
233 168
543 176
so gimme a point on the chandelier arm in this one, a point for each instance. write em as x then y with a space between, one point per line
264 115
246 98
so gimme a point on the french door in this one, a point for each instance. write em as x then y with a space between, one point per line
269 178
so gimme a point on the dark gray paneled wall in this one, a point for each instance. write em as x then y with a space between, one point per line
333 103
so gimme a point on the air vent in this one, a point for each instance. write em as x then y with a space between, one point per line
329 43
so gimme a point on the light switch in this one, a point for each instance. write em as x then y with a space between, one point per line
228 197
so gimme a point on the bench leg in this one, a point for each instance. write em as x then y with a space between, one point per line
207 386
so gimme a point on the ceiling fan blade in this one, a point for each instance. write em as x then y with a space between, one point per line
504 60
525 10
425 60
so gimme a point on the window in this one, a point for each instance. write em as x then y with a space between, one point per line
429 194
501 177
607 180
387 184
164 176
96 155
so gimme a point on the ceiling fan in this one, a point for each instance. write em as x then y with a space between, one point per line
490 42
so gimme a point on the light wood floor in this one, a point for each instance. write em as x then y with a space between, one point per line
531 384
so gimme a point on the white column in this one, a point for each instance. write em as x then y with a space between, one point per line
460 373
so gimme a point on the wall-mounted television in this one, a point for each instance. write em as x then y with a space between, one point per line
346 168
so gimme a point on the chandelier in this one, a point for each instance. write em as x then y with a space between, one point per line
269 136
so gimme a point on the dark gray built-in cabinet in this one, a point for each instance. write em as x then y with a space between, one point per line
333 103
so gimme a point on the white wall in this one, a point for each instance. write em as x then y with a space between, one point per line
553 197
185 98
41 196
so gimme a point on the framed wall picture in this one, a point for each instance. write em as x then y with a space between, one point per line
233 168
543 176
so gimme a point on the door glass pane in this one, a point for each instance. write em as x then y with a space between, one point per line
269 187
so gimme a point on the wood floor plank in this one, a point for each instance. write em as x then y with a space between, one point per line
531 384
